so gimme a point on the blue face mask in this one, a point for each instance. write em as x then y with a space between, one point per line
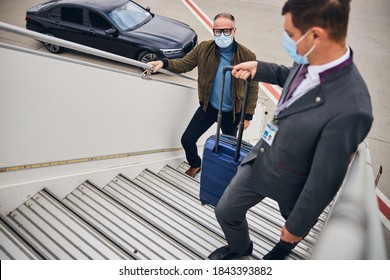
223 41
291 48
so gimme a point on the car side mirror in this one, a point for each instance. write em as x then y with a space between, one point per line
110 32
147 9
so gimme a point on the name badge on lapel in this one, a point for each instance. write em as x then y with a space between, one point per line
269 133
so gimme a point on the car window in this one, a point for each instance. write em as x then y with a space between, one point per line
73 15
97 21
129 16
56 14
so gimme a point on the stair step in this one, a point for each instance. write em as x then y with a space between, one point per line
268 209
191 207
172 195
125 228
173 223
13 247
152 217
195 181
58 232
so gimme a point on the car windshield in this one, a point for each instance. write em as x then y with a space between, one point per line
129 15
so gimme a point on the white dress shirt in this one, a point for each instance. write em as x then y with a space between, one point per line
312 79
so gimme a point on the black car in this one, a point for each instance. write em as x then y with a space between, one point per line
118 26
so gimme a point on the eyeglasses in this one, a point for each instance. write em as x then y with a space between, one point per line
226 31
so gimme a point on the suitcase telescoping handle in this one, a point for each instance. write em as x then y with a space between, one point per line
242 119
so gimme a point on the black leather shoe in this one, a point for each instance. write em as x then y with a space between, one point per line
281 250
224 253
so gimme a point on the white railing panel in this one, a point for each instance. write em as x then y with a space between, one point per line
353 230
53 110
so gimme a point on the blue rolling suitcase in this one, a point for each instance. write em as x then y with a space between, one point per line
222 154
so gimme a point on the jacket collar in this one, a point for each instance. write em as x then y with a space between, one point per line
315 97
328 73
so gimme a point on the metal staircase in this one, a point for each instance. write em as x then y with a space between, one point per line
153 216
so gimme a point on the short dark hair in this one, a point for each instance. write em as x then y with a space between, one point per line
226 15
332 15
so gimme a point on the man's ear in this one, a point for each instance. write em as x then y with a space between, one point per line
318 34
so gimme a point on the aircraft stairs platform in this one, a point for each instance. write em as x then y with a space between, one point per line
153 216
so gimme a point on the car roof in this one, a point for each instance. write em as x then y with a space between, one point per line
102 5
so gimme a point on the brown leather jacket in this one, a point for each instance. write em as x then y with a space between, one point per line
206 57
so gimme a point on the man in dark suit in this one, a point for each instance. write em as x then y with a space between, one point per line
323 114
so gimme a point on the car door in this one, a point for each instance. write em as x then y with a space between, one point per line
68 23
103 35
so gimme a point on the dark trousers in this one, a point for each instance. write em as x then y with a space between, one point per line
231 210
199 124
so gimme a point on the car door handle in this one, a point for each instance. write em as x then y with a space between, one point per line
91 31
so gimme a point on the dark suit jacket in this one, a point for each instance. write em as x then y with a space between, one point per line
306 164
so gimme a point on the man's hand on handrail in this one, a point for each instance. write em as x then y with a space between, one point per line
157 66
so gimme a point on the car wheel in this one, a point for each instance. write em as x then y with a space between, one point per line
147 56
52 47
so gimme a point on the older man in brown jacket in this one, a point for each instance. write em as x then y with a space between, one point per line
211 57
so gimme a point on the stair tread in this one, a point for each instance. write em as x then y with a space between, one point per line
126 228
59 233
153 216
12 247
263 218
167 219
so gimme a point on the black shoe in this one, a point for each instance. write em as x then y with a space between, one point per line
224 253
281 250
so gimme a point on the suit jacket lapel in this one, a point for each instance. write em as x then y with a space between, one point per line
311 99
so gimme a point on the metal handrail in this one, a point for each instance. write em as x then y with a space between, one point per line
81 48
353 230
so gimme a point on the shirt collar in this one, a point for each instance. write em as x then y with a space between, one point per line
315 70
